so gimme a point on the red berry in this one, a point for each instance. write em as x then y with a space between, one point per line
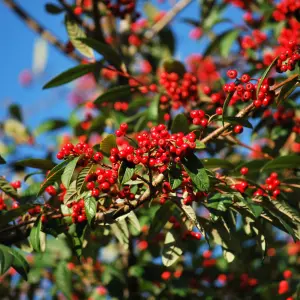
232 74
287 274
244 171
238 129
78 10
245 78
219 111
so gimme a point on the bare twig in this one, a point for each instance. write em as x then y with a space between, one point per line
168 17
44 33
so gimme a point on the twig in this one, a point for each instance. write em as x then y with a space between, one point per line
168 17
44 33
98 34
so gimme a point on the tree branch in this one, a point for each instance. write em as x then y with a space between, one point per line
169 16
44 33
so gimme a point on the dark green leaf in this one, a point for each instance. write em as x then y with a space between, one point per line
180 124
220 201
2 160
213 163
265 74
286 90
172 249
126 171
196 171
108 53
225 105
75 34
53 9
236 120
37 163
90 206
108 143
282 162
70 75
15 112
175 178
63 279
7 188
172 65
54 175
160 218
114 94
69 169
71 192
19 263
34 237
6 259
50 125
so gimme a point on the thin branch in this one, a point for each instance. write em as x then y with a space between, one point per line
98 34
44 33
168 17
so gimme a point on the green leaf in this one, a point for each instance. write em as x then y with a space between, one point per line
172 250
134 221
70 75
153 110
34 236
6 259
227 42
53 9
255 209
190 213
213 163
69 169
196 171
108 53
76 237
2 160
253 165
50 125
150 11
75 34
287 89
108 143
115 94
161 217
220 201
236 120
265 74
180 124
283 162
37 163
200 145
126 171
81 177
15 112
120 230
71 192
54 175
172 65
7 188
19 263
225 105
90 206
63 279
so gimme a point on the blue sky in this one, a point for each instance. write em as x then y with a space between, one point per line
17 48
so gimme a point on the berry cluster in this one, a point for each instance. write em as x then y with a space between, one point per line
122 8
122 130
101 180
35 210
126 194
271 185
244 90
156 148
179 90
288 58
198 117
192 234
286 9
51 190
283 115
78 212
